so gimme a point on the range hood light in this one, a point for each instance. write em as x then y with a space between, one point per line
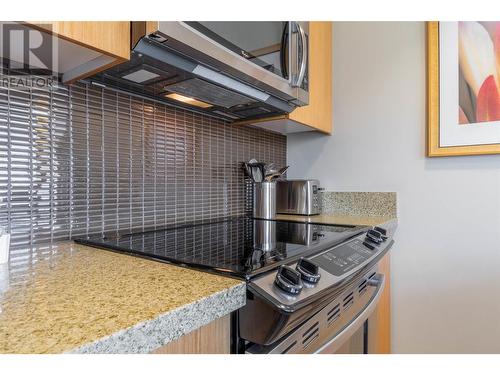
188 100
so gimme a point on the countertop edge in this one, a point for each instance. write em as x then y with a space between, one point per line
325 219
144 337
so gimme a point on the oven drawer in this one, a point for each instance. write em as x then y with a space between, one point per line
329 330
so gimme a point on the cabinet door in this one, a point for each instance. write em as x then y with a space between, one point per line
213 338
109 37
87 47
379 323
319 113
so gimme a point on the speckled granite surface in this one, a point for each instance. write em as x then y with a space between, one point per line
359 203
338 219
88 300
351 208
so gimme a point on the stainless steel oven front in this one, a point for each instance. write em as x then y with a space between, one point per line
341 327
321 303
271 55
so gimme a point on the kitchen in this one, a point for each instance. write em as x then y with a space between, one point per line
168 195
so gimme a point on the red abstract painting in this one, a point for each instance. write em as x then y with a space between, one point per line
479 73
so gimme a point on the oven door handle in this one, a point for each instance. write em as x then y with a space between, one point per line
336 342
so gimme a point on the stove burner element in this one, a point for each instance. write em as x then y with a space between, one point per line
240 246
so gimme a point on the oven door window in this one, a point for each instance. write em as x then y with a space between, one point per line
263 43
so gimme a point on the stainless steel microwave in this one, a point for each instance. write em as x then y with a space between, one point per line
272 55
239 70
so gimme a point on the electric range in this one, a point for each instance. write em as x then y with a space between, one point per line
310 287
242 247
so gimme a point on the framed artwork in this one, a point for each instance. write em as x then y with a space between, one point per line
463 88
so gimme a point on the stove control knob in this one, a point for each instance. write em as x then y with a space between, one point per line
308 271
381 230
288 280
374 236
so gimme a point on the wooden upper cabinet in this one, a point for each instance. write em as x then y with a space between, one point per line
87 47
112 38
318 114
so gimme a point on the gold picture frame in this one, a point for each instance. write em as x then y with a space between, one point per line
433 146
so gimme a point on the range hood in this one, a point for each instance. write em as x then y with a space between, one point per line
186 74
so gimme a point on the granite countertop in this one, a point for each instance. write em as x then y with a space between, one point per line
84 300
352 208
74 298
338 219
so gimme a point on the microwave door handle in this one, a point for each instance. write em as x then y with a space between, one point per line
284 49
305 51
334 344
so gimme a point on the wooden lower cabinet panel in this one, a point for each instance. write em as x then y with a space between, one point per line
214 338
379 338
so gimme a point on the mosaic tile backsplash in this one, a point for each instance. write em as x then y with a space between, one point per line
84 160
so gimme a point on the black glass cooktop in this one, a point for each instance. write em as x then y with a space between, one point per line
240 246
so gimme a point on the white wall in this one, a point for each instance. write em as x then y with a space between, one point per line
446 262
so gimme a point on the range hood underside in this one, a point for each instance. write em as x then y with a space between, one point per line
152 77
